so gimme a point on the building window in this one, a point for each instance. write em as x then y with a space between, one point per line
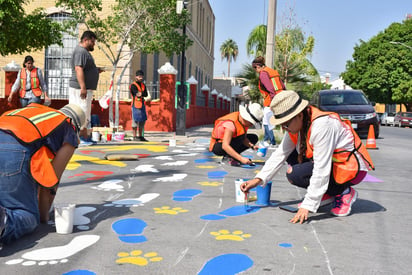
57 68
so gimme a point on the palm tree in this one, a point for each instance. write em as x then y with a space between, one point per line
229 50
256 42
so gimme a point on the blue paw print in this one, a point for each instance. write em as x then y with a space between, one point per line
130 230
186 194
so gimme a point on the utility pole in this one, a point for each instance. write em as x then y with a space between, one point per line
181 91
270 34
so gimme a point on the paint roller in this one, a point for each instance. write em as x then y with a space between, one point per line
121 157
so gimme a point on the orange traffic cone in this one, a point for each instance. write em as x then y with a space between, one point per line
371 142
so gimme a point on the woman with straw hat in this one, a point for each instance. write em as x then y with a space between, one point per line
230 138
324 155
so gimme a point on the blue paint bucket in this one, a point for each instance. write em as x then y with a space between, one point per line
263 194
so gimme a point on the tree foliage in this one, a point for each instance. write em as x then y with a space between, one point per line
382 66
21 32
229 50
256 42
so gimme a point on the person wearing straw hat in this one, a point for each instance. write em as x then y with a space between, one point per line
36 144
229 135
323 152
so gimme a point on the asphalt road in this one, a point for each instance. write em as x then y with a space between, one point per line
174 212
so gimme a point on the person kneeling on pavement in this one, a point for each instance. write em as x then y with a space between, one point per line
36 144
229 135
324 153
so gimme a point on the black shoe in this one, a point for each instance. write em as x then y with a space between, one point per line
143 139
3 219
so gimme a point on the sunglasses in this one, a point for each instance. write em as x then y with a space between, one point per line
287 123
254 67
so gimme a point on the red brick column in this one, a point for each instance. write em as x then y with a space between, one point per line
166 118
11 71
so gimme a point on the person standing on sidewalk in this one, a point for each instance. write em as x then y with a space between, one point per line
30 84
139 116
324 153
84 79
36 144
268 128
229 135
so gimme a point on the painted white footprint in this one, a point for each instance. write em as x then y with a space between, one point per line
133 202
80 220
145 168
56 254
173 178
164 158
110 185
176 163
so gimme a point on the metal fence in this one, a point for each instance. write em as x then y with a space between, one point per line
57 92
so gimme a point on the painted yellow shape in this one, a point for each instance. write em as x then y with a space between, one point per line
149 146
134 257
224 234
210 183
205 166
169 210
74 162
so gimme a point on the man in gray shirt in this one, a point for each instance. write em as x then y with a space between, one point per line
83 81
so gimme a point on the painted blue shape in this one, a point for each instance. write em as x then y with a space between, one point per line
248 156
79 272
202 160
234 211
202 140
186 194
239 210
212 217
216 174
130 230
227 264
209 154
286 245
247 166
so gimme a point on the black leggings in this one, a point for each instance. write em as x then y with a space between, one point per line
301 173
236 143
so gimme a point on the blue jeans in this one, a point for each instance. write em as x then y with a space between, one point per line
269 135
26 101
18 190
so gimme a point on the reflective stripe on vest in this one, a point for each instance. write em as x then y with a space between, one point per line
30 124
239 128
345 164
276 82
34 82
138 102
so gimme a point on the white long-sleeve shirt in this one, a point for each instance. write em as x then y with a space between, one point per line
29 92
327 135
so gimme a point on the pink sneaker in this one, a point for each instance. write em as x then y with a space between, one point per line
326 200
343 203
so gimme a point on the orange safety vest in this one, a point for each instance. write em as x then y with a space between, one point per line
31 124
34 81
276 82
345 164
138 102
239 128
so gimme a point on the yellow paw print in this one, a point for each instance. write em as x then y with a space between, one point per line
224 234
210 183
135 257
169 210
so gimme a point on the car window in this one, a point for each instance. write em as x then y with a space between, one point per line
331 99
407 114
355 99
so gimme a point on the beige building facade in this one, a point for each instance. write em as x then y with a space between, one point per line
55 60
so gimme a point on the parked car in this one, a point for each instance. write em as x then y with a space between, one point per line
403 119
349 104
387 119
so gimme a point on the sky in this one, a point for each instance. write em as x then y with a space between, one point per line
336 25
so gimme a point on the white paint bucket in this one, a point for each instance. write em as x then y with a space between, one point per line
240 196
172 143
64 217
96 136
